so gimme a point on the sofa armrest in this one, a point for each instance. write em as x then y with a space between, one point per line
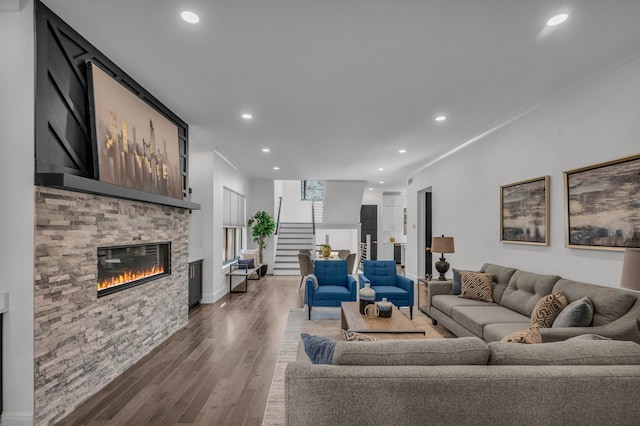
435 288
351 285
626 329
405 283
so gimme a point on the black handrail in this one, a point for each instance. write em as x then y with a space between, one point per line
313 216
278 219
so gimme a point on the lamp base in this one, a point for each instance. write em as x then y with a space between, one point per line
442 266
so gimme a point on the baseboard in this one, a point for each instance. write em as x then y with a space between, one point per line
16 419
208 298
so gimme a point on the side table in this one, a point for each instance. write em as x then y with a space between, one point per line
423 293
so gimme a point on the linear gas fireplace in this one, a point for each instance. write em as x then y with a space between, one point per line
123 267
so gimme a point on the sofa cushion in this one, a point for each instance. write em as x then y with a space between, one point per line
547 309
501 277
461 351
332 292
498 331
595 352
319 349
477 286
525 289
446 303
529 335
609 303
456 283
475 318
576 314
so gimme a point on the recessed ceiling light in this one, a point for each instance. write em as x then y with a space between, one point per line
190 17
441 118
276 168
557 20
265 150
247 116
402 151
380 169
381 182
370 189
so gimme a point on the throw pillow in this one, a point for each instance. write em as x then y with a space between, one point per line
588 337
456 286
530 335
249 262
313 278
352 336
319 349
476 285
547 309
576 314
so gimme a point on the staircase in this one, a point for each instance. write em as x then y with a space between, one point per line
292 237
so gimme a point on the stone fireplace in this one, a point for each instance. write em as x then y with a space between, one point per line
84 339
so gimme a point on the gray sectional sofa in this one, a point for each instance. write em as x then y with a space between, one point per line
515 293
466 381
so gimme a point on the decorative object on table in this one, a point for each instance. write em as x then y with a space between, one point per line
392 240
262 226
631 269
367 297
442 245
325 249
599 208
524 212
371 311
385 307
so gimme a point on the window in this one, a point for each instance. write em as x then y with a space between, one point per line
312 190
233 222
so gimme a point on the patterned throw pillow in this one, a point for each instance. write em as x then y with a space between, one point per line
547 309
476 285
351 336
530 335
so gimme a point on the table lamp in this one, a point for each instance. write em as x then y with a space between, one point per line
631 269
442 245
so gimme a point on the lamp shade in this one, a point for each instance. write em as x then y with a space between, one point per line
631 269
442 245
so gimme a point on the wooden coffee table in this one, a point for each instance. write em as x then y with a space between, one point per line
396 327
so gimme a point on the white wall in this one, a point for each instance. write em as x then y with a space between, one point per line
342 200
261 199
209 173
16 240
596 123
293 208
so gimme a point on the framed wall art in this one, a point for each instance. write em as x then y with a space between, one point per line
137 147
524 212
602 205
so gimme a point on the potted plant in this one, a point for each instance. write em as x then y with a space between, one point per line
262 226
326 250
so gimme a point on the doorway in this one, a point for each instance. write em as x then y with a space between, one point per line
424 261
369 221
428 234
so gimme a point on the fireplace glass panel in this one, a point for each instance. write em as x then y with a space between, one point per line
124 267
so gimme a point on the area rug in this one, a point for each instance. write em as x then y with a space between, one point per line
325 322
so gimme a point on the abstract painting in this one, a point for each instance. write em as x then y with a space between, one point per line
137 147
524 212
602 205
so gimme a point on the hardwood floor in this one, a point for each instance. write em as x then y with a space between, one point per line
215 371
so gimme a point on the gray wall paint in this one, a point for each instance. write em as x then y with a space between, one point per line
596 123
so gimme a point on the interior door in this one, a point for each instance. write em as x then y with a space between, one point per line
369 221
428 267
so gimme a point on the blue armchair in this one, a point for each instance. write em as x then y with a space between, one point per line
335 285
386 282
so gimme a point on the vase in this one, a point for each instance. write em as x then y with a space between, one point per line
326 252
385 308
367 297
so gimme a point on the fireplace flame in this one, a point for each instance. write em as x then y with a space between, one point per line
128 277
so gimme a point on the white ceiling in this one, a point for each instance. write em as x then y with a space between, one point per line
338 87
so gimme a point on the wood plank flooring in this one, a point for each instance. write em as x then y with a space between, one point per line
215 371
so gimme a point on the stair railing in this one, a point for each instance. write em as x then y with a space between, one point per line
313 216
278 217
